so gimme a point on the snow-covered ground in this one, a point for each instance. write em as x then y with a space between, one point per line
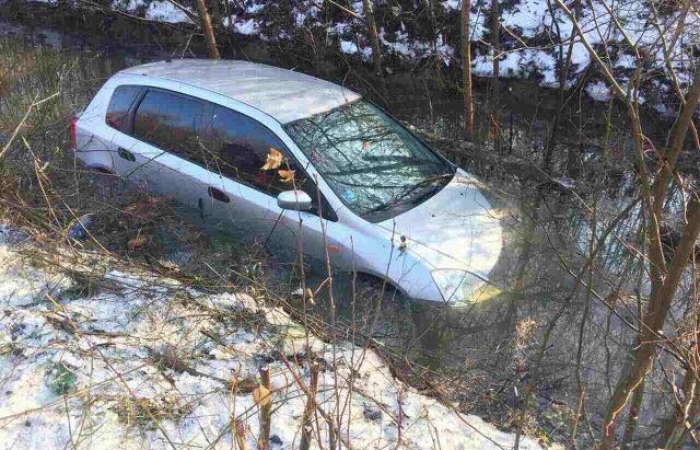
138 361
531 36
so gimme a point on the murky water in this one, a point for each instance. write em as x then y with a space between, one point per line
551 269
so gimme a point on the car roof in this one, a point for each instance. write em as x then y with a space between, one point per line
283 94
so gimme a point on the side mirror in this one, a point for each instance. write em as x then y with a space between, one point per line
296 200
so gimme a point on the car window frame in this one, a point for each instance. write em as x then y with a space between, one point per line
206 114
129 115
327 212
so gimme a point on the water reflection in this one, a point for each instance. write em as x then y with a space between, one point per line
550 233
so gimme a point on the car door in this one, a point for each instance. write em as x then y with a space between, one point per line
168 154
120 110
254 166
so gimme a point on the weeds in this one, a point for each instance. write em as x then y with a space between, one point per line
168 359
61 379
146 413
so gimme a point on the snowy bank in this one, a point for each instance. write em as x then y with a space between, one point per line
535 34
126 360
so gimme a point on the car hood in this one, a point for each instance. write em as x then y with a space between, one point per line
455 229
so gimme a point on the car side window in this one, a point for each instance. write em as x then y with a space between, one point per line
119 106
250 153
172 123
242 145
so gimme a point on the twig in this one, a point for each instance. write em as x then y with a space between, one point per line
306 430
265 411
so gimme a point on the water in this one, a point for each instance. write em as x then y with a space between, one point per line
549 270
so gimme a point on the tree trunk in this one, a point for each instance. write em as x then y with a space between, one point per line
652 323
633 417
265 411
368 6
664 280
678 135
467 69
674 426
208 30
564 65
373 36
495 124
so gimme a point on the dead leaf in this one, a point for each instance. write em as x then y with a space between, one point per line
310 297
171 359
170 265
138 242
261 396
287 176
146 208
274 159
244 385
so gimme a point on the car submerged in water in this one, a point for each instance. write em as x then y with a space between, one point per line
301 162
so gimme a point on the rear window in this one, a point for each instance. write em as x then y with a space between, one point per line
119 105
172 123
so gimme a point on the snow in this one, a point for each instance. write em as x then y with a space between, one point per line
482 65
348 47
599 91
128 5
626 62
529 20
546 65
124 391
580 57
247 27
452 5
165 11
401 45
306 10
357 6
255 8
510 66
527 16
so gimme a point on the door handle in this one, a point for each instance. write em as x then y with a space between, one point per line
126 154
218 195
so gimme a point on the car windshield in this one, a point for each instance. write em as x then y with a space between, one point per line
376 166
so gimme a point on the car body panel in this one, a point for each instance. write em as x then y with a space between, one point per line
285 95
453 229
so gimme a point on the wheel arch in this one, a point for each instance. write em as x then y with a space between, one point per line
380 279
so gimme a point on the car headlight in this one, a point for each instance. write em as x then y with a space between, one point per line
457 285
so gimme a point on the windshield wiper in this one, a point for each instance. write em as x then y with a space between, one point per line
381 207
375 169
400 199
424 195
426 182
398 158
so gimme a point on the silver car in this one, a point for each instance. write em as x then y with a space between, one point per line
299 161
